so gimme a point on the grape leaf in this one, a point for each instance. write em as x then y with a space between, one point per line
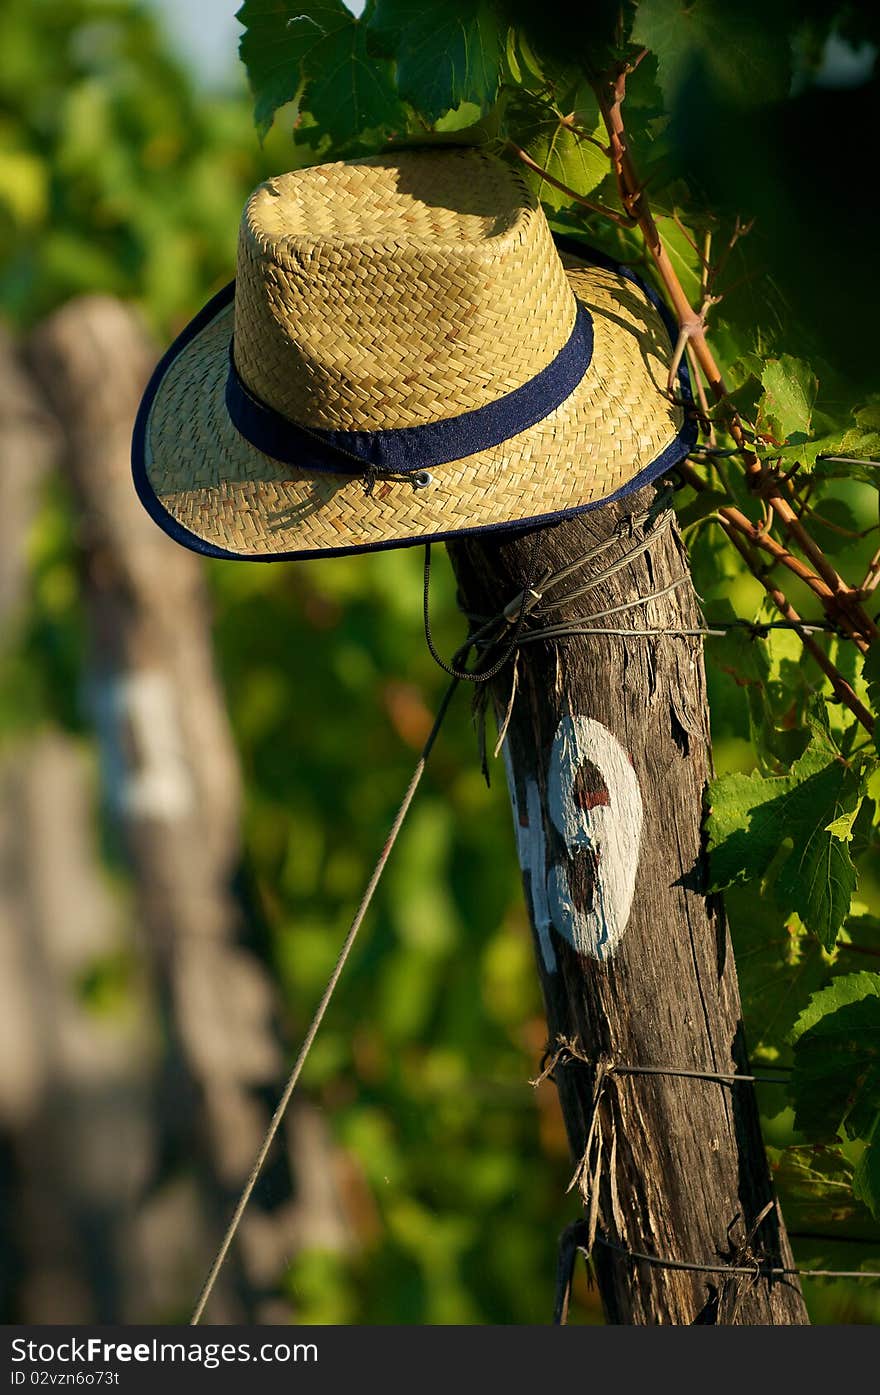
863 439
316 50
866 1179
726 49
779 966
746 659
833 525
785 407
856 442
445 54
815 1184
836 1078
701 506
814 806
538 127
524 66
871 675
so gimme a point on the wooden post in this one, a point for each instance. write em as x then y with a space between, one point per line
608 754
172 784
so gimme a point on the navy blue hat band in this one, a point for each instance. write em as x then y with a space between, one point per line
406 448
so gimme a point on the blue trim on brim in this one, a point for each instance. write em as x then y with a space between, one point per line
674 452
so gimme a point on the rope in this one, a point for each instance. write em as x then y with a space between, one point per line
321 1009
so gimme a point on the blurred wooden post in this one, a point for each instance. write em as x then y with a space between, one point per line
608 755
74 1084
31 443
172 784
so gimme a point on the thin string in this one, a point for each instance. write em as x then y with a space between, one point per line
321 1009
567 1053
480 675
681 1073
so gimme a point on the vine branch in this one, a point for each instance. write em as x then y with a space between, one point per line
622 220
841 602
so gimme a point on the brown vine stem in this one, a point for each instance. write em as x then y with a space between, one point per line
746 537
621 219
842 601
755 534
842 690
872 576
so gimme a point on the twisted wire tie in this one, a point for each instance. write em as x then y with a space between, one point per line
583 1235
532 602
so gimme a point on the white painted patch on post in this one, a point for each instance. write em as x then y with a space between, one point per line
594 801
147 772
605 819
531 847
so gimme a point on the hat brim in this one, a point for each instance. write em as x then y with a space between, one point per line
211 490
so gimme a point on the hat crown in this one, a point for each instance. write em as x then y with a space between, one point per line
396 290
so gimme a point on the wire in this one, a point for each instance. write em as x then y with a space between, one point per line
321 1009
759 1269
583 1236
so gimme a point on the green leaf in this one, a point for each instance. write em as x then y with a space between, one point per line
511 57
814 807
842 993
679 239
546 133
785 408
744 658
24 186
866 1179
815 1184
842 827
315 50
836 1077
700 507
836 448
833 525
446 54
716 46
871 676
863 439
524 66
779 966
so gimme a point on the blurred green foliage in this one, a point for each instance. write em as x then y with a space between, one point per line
134 184
116 175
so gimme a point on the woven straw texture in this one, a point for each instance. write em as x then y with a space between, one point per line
398 291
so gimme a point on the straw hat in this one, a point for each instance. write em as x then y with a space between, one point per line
404 356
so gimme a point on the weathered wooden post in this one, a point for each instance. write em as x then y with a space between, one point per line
172 782
608 754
